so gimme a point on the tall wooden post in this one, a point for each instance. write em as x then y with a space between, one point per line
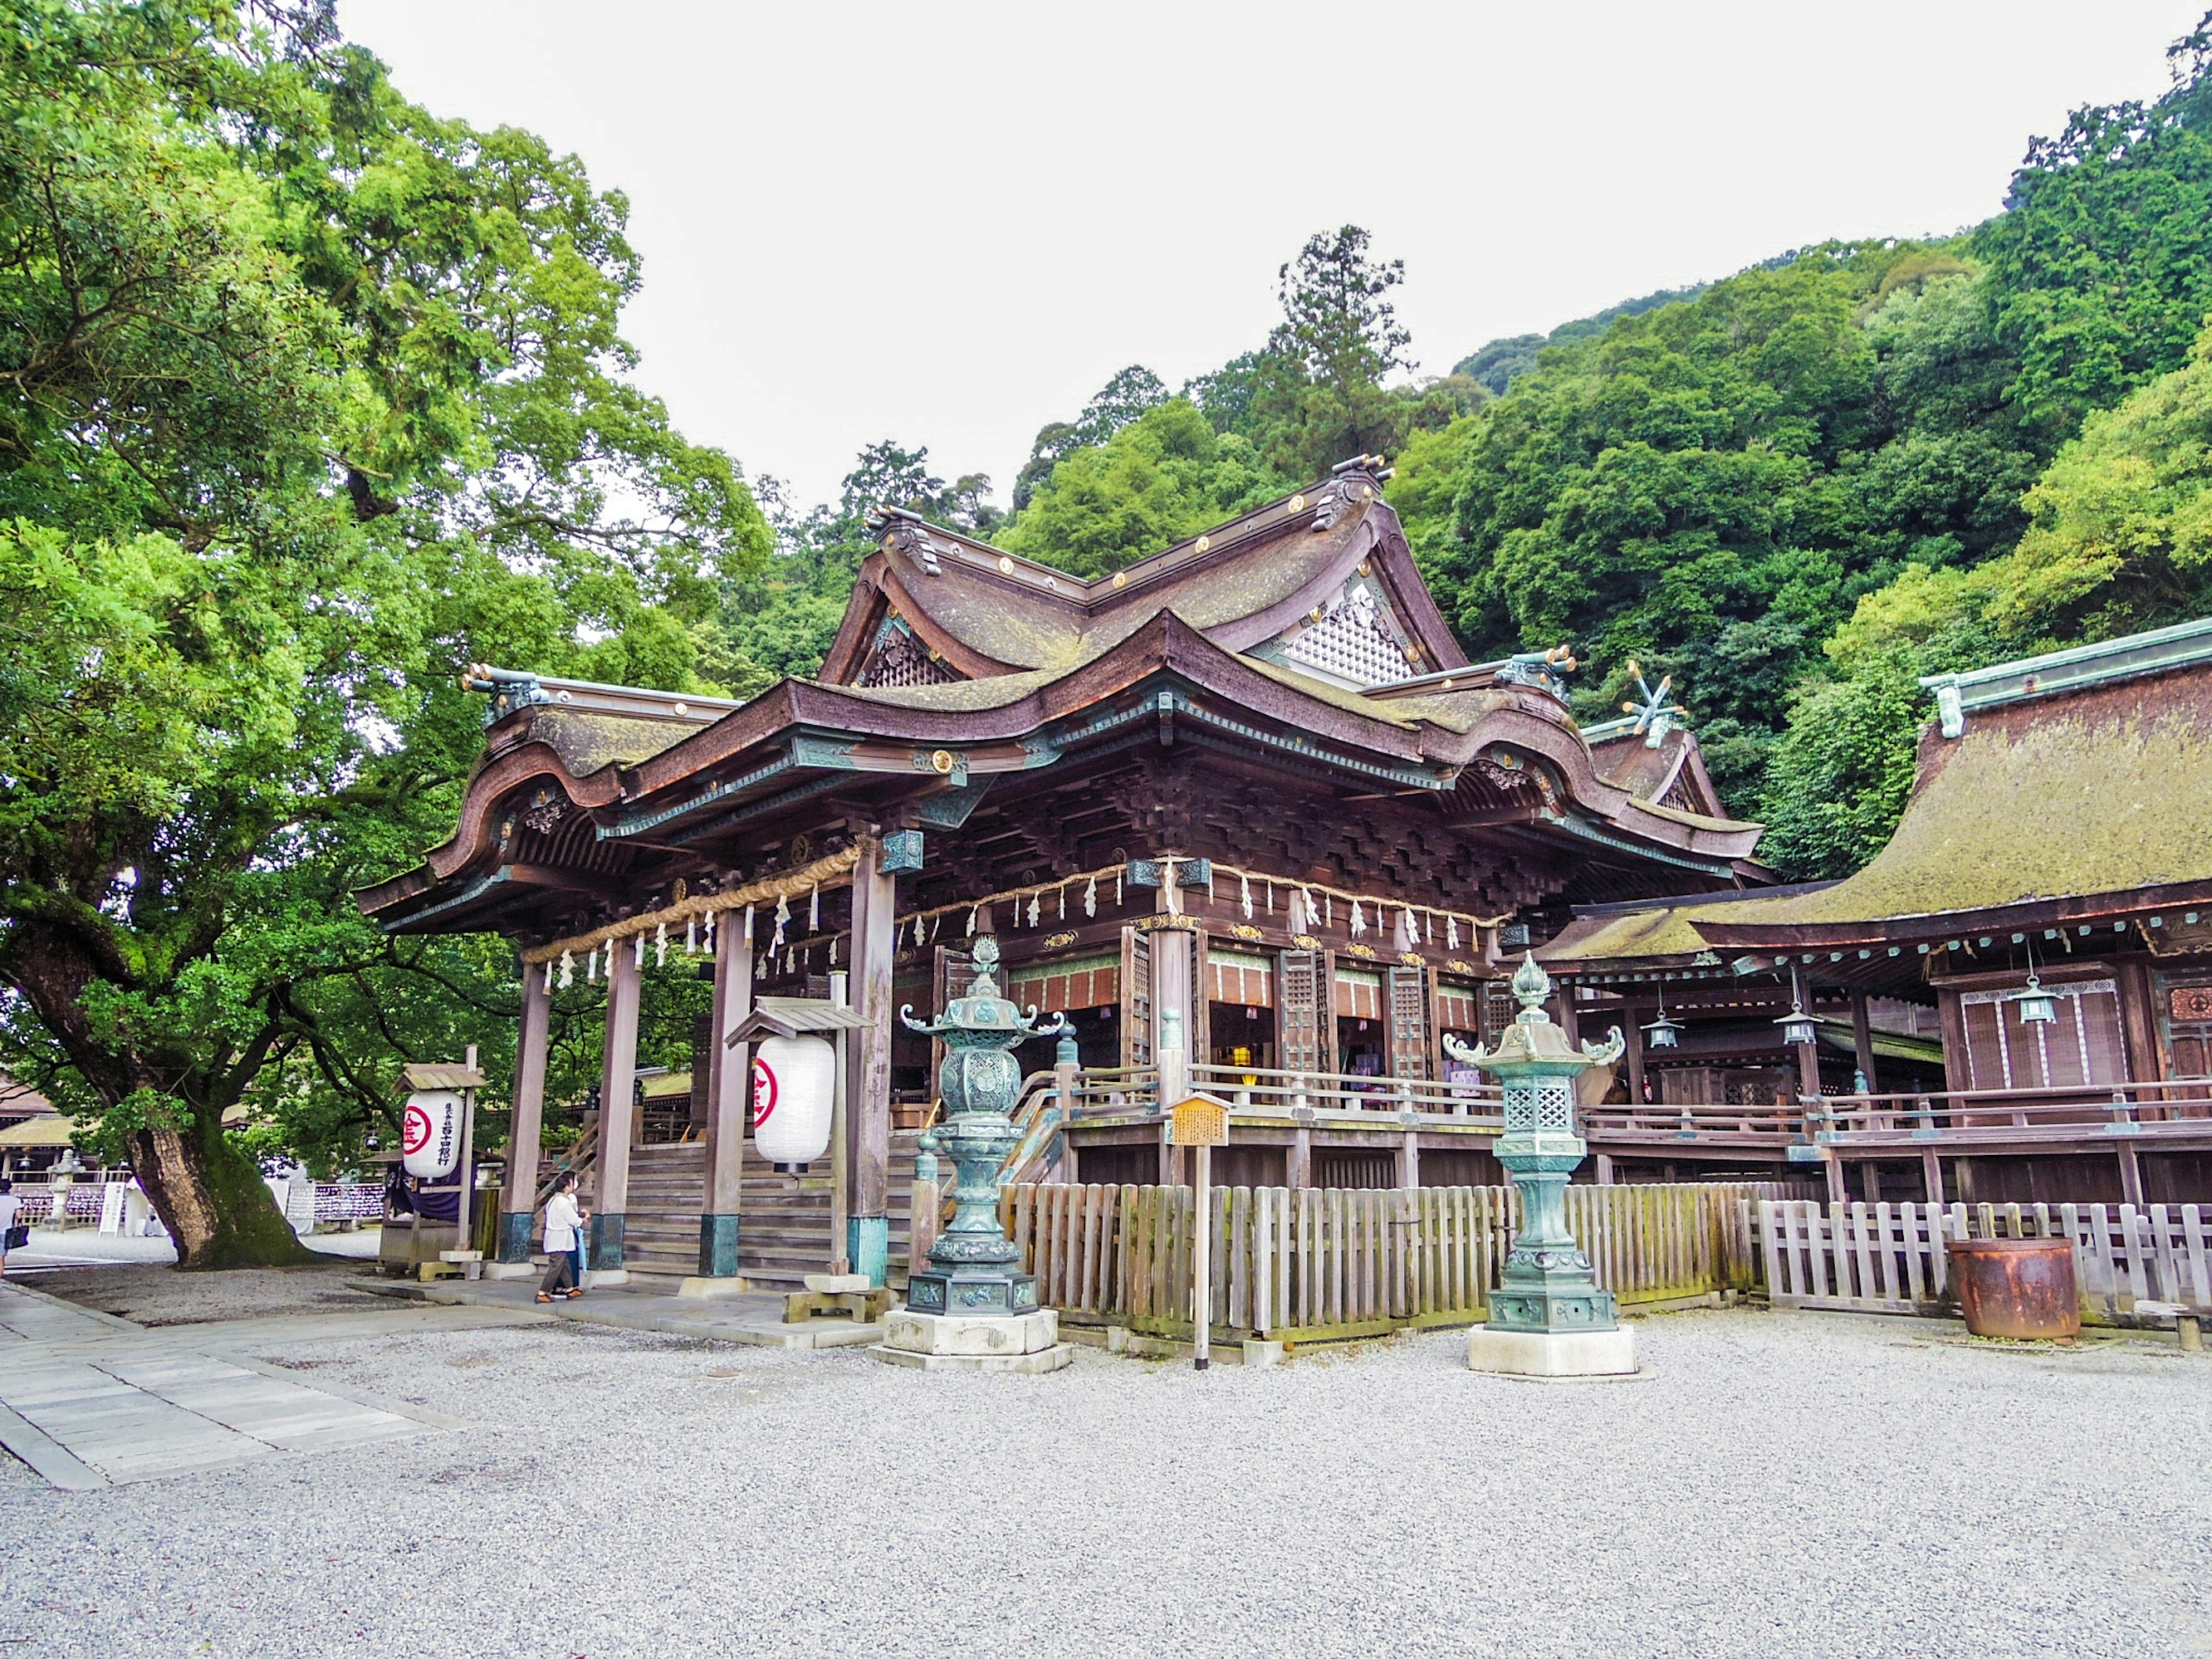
729 1099
841 1131
868 1231
618 1106
1862 1040
1808 1054
1931 1174
1171 1037
1634 1034
518 1200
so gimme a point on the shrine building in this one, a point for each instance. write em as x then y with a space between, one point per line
1243 809
2012 1003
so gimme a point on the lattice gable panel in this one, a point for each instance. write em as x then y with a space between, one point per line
1356 641
898 658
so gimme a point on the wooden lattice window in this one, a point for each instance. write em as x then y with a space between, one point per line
1409 1022
1136 997
1298 978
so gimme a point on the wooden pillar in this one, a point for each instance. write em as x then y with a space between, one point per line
729 1102
1633 1033
1838 1192
867 1243
1173 1031
1172 1036
1808 1054
518 1200
2131 1185
1409 1160
618 1105
1862 1040
1605 1169
1931 1174
1297 1168
1570 1026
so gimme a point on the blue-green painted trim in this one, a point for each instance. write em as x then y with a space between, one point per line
2162 648
718 1247
514 1236
606 1243
637 824
868 1247
1575 826
950 810
468 895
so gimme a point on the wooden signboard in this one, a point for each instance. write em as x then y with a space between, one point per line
1199 1121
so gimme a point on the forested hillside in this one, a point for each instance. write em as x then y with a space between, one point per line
1795 488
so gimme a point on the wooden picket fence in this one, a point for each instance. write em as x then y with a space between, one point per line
1315 1263
1885 1258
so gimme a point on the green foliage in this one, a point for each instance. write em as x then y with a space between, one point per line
2120 539
1164 475
311 397
1706 485
1120 401
2122 531
2101 267
1499 364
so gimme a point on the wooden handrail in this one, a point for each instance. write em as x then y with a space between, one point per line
583 1154
2063 1092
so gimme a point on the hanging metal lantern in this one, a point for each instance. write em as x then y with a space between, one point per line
2037 1006
1662 1032
1798 1027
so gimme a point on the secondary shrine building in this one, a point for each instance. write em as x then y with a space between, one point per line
1243 811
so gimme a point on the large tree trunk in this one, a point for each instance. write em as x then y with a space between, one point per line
210 1196
209 1193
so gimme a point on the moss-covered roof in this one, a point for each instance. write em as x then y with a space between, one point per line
958 696
2106 792
1667 932
1321 691
587 742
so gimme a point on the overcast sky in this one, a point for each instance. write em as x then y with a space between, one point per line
949 224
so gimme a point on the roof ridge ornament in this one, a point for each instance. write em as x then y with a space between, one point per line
510 689
1540 671
1655 716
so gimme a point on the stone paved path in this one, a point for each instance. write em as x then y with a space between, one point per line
89 1399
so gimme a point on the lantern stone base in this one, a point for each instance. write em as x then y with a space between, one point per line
1551 1353
1028 1344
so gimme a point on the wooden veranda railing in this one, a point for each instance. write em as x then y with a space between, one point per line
1315 1264
1771 1124
1966 1116
1261 1091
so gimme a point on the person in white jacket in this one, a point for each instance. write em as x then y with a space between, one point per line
564 1240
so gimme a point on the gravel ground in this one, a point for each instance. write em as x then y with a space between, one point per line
1783 1484
133 1279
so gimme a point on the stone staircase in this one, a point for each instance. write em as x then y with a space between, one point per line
784 1234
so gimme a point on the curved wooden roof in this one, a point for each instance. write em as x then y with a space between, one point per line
582 786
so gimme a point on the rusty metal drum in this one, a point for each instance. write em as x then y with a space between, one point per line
2016 1287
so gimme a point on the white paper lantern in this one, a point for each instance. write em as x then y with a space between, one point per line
795 1080
430 1133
